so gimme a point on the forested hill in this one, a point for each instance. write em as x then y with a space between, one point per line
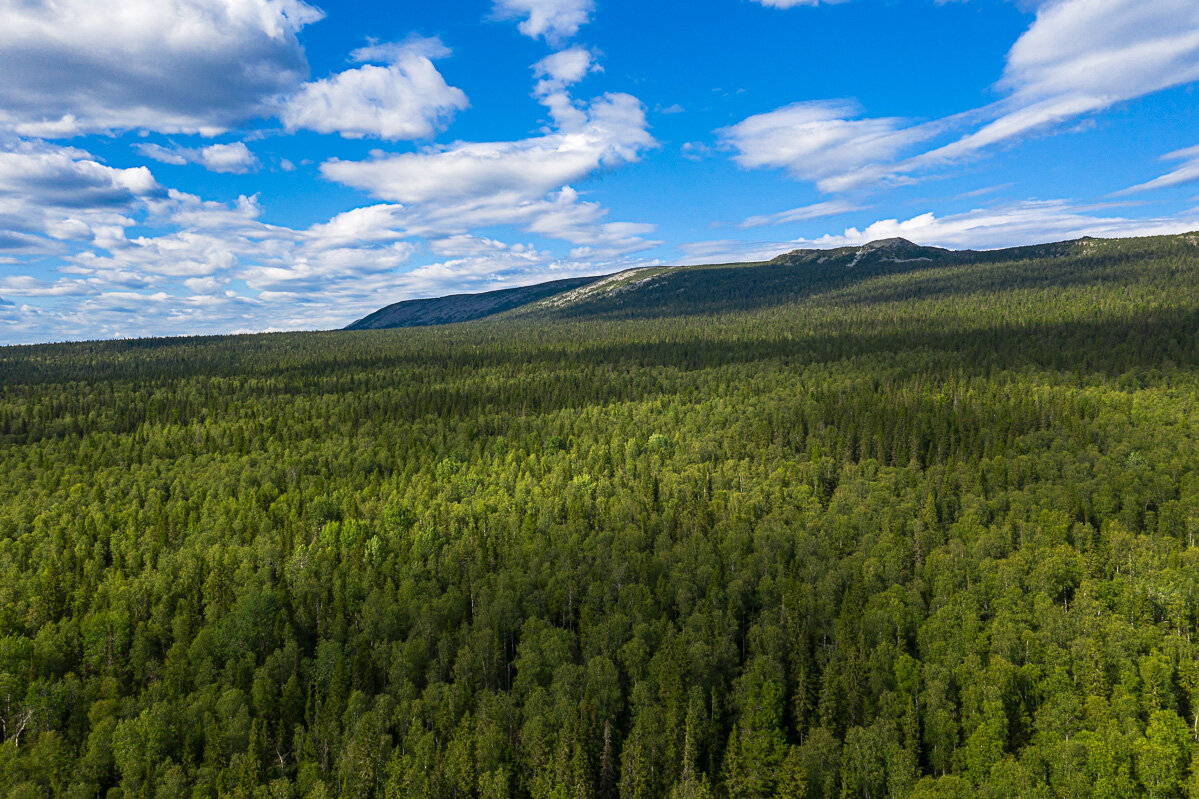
670 290
927 530
462 307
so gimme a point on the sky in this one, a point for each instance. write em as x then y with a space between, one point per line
176 167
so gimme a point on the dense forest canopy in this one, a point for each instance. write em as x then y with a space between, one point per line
918 532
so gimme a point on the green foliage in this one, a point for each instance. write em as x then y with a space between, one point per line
923 529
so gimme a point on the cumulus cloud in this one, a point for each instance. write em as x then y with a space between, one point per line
405 98
448 190
611 132
177 66
120 314
182 254
320 277
558 72
50 195
30 286
552 20
180 281
492 265
134 257
563 68
216 243
69 178
234 158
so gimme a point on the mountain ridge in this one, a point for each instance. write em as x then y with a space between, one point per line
676 289
461 307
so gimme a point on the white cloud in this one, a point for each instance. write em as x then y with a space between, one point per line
182 254
563 68
453 188
801 214
552 20
727 251
1187 173
313 268
1109 49
68 177
214 242
29 286
176 156
373 224
182 66
1078 57
822 141
501 266
181 279
405 99
506 171
51 194
795 3
1009 225
203 285
563 216
1014 225
558 72
234 158
466 245
191 272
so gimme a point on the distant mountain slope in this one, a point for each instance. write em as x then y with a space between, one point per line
792 277
463 307
687 290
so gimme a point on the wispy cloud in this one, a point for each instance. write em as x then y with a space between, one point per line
1078 57
801 214
824 142
1188 172
1081 57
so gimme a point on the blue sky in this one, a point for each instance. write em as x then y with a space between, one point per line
171 167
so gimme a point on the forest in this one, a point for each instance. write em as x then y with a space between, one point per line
927 532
